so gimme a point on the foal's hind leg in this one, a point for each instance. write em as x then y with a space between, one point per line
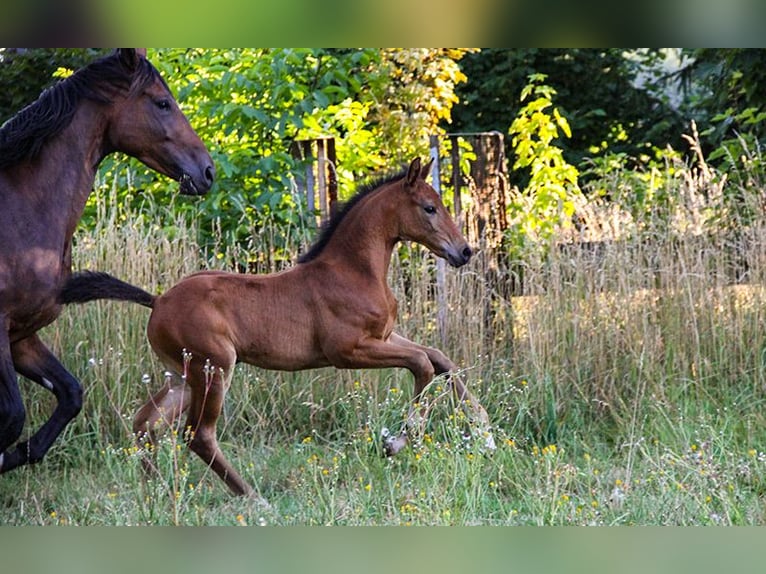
33 360
207 394
164 408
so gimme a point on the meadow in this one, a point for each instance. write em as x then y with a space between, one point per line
624 382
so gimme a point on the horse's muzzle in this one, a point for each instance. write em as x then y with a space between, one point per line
199 185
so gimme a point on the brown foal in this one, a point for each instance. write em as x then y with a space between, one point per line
332 309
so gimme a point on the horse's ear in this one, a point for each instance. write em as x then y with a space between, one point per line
130 56
426 169
413 172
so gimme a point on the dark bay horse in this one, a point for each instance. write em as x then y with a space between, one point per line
334 308
49 154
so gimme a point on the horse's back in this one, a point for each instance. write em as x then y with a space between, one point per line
267 320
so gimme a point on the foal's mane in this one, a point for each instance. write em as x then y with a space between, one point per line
24 134
330 226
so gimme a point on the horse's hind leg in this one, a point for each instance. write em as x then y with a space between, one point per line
208 392
11 407
33 360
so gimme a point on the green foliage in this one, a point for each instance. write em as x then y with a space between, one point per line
548 198
250 105
25 72
724 91
598 90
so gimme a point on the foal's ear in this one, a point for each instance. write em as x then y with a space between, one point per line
413 172
130 56
426 169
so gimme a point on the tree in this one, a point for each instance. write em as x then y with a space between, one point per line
250 105
597 90
725 92
25 72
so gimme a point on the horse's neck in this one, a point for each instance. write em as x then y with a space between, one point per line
366 238
66 169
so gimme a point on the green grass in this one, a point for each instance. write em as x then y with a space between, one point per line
614 402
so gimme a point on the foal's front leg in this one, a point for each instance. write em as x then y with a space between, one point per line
371 353
467 401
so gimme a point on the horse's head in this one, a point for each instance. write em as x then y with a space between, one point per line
147 123
424 218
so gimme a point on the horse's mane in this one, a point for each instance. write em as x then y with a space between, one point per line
24 134
329 227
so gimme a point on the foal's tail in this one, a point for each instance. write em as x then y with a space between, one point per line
91 285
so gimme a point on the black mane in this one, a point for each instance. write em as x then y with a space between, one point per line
24 134
329 227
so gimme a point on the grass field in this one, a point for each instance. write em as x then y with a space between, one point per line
625 387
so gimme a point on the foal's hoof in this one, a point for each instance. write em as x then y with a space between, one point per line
489 442
393 444
259 502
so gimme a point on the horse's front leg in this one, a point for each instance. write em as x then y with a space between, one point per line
11 406
467 401
33 360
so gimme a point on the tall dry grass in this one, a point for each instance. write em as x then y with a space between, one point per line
639 338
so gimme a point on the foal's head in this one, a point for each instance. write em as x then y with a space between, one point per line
425 220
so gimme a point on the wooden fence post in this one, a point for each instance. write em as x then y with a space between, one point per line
319 182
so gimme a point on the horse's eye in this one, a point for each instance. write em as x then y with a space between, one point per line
429 209
163 104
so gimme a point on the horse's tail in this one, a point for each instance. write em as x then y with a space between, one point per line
91 285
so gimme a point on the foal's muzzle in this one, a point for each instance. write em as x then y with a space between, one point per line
460 256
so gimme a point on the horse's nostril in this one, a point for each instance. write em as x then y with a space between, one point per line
467 252
210 174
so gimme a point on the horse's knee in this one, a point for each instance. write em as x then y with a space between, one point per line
441 362
423 371
70 398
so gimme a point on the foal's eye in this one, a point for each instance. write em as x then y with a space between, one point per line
163 104
429 209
